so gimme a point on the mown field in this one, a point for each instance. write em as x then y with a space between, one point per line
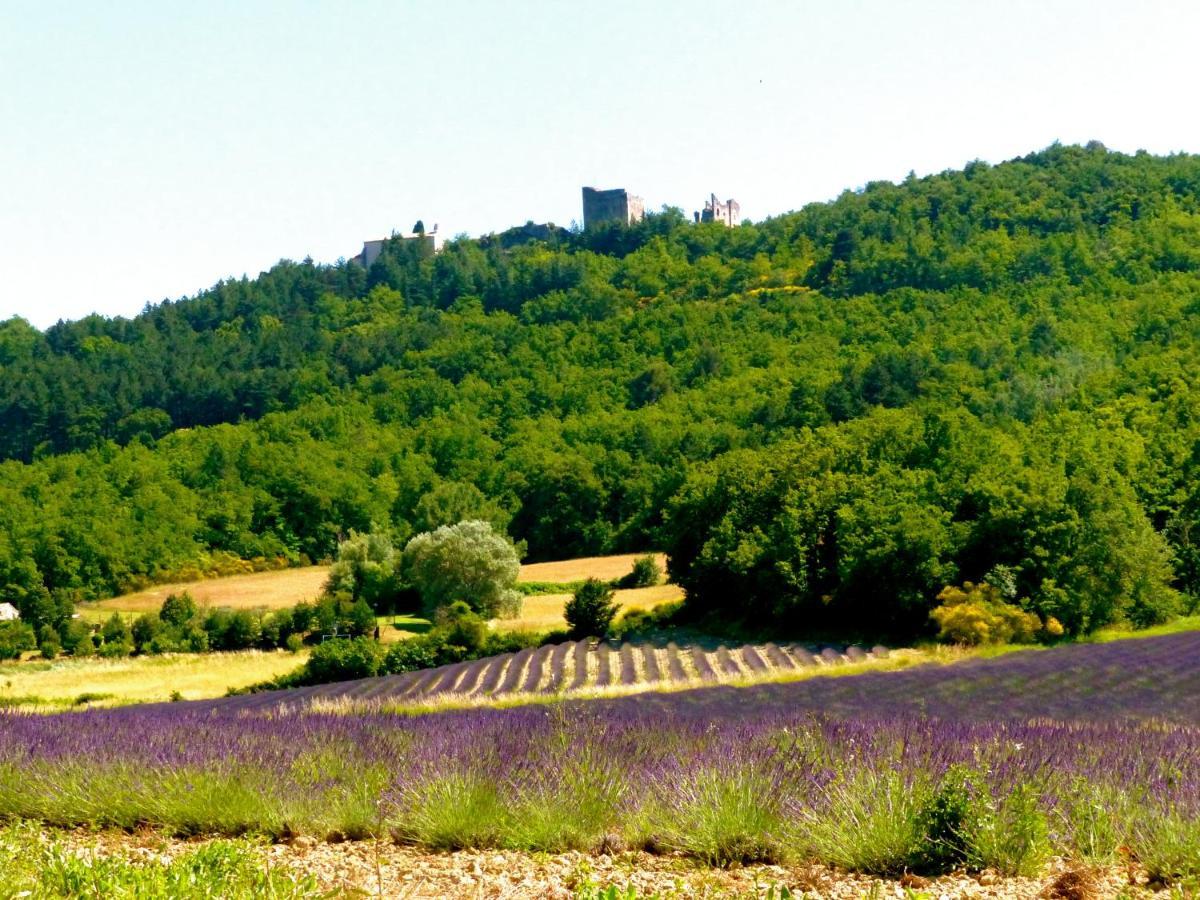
261 590
64 683
1084 751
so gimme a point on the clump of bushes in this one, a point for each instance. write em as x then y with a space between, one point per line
181 626
15 638
978 614
458 634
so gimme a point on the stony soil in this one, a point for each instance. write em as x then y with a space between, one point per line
383 869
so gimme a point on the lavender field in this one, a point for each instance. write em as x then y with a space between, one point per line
1083 751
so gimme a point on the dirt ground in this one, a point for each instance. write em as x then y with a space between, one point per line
383 869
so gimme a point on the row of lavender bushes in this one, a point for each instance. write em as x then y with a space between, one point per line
876 794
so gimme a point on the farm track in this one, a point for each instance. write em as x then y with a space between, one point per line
570 668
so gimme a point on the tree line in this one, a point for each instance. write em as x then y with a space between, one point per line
833 414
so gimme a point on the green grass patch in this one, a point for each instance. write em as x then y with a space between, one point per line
36 866
539 588
405 622
1120 633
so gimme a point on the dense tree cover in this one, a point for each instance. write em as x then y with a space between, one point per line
829 416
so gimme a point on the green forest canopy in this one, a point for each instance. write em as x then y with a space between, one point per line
826 417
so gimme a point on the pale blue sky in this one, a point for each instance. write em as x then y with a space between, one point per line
149 149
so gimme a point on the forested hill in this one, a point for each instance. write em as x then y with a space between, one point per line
828 414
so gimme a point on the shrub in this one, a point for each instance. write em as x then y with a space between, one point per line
943 825
591 609
411 655
178 609
646 573
463 628
145 629
76 638
342 660
1011 835
118 639
976 614
640 621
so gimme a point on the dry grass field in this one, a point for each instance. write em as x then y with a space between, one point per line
287 587
605 568
262 590
144 679
545 611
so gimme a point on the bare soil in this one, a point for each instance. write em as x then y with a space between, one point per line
383 869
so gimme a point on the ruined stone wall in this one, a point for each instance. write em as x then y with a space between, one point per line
616 205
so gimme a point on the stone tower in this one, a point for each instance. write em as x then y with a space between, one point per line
616 205
728 213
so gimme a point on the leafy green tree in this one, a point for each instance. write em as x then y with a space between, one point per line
15 637
467 561
145 629
366 570
591 609
178 610
116 637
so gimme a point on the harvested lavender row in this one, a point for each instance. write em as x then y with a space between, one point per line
831 657
558 664
778 658
446 682
753 662
650 663
856 654
726 663
470 679
388 686
495 672
675 668
420 685
604 672
533 673
703 668
628 667
580 679
516 668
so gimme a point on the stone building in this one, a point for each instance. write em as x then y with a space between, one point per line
372 249
616 205
728 213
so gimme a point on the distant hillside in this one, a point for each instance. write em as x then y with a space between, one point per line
828 415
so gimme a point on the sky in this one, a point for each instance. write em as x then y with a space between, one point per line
151 149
